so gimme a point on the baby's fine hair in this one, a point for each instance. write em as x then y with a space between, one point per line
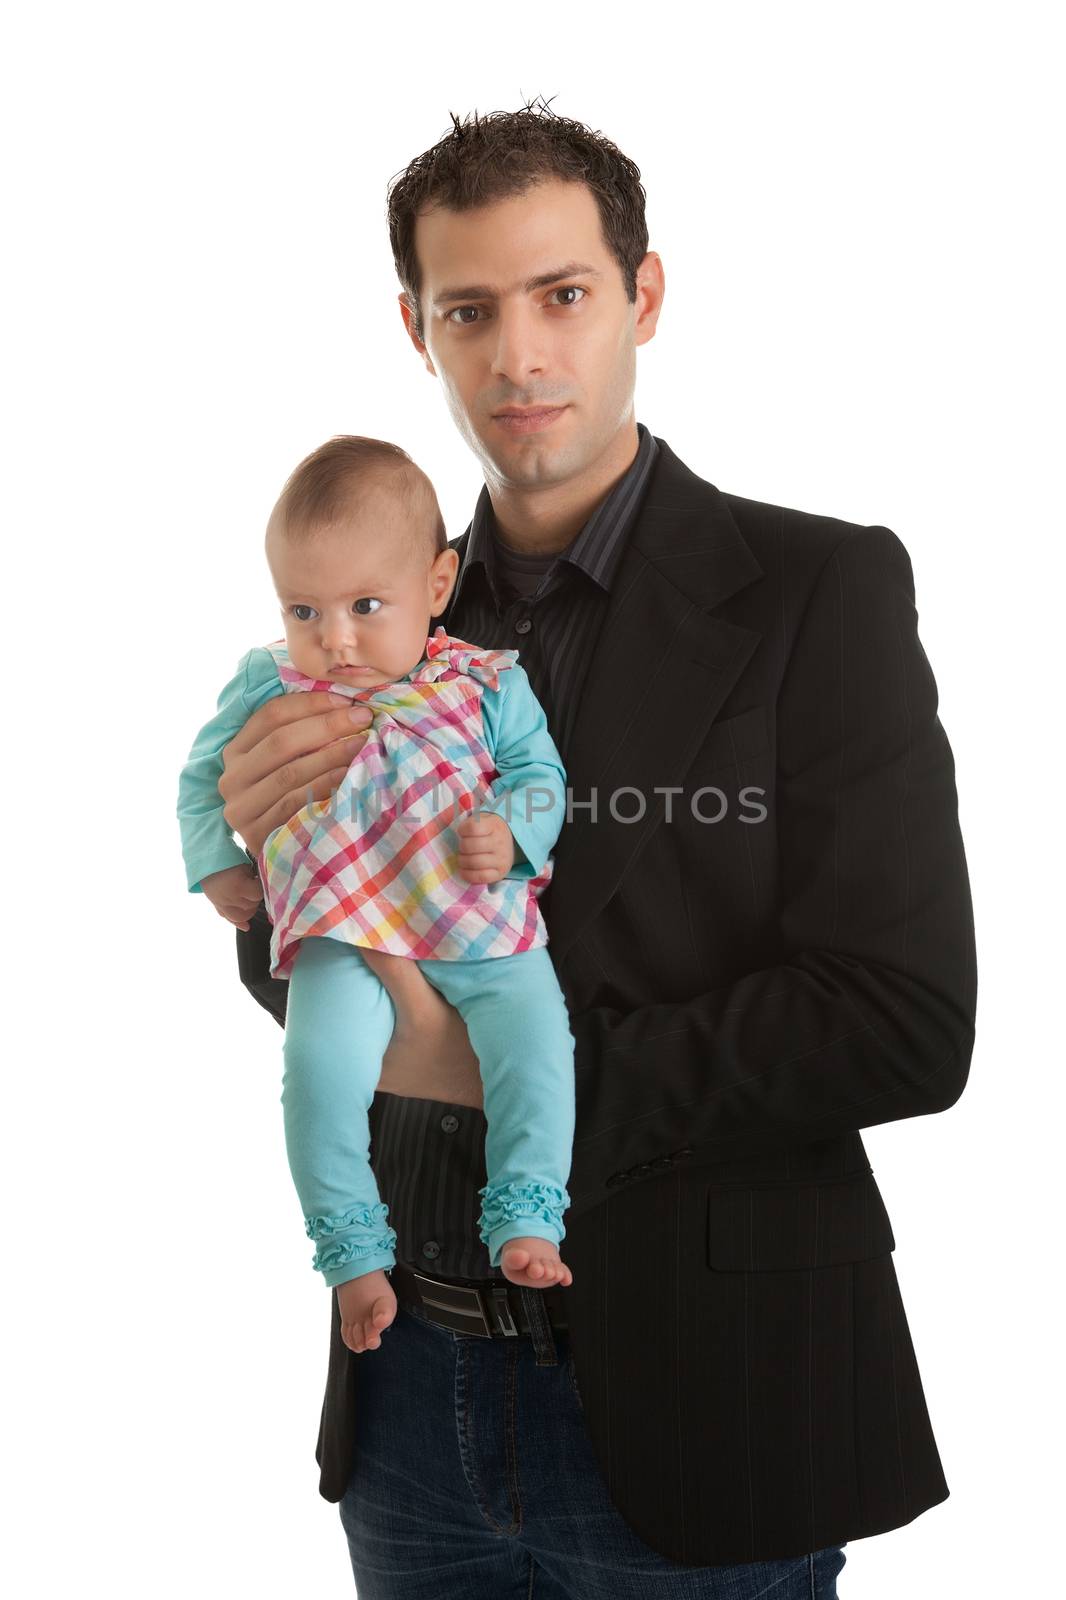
329 484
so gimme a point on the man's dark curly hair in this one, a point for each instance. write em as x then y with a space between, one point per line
493 157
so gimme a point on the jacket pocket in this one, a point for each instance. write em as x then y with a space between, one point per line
796 1224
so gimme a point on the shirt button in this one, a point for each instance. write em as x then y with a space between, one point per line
431 1249
523 626
449 1123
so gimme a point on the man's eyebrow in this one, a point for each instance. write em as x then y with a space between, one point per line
486 291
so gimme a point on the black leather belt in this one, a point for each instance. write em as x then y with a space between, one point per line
489 1308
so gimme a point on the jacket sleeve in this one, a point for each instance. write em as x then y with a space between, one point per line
207 843
869 1016
530 792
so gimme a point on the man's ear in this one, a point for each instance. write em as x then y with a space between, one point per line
408 315
651 287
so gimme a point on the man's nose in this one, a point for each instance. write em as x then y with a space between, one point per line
519 343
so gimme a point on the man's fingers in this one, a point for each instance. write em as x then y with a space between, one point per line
270 770
287 754
287 728
301 722
282 810
319 788
257 809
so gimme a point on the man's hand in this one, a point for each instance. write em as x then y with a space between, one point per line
295 748
429 1056
486 847
234 892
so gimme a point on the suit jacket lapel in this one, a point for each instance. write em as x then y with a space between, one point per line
662 668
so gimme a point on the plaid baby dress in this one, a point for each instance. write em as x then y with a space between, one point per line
376 863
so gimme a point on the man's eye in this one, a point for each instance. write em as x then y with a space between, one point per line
297 609
569 288
365 600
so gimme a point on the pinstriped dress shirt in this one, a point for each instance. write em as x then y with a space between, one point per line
428 1156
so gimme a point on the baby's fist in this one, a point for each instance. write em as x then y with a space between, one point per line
486 847
234 892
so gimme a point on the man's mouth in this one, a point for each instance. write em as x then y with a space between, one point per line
516 420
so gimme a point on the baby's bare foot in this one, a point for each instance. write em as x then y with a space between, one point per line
367 1307
534 1262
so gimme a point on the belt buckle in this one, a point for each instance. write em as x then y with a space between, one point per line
474 1304
503 1310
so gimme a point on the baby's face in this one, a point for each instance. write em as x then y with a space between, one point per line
357 602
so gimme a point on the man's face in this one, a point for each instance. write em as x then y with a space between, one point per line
496 340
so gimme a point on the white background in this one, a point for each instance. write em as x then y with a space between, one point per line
854 207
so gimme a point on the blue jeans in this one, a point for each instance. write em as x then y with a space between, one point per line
474 1477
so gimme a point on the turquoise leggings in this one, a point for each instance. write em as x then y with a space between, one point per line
339 1021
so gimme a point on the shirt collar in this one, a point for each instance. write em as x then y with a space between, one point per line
598 547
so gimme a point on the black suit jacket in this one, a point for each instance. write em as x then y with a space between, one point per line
746 996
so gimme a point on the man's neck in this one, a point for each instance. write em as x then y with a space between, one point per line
545 521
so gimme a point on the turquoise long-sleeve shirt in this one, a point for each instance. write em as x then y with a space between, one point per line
516 735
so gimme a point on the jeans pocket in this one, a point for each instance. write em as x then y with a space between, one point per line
571 1373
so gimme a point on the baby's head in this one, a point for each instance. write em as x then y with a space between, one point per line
358 551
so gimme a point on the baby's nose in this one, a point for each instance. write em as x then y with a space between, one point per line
338 635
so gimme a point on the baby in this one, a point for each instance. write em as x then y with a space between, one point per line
434 849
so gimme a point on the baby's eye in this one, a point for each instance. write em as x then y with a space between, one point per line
297 611
365 600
